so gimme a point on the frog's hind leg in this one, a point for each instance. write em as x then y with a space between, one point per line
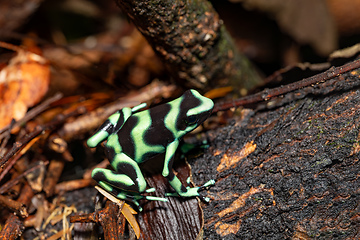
127 175
133 197
116 183
126 182
111 181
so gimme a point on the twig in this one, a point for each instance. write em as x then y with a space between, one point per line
72 185
19 145
26 194
52 176
95 118
11 47
8 166
38 130
13 227
32 113
14 181
270 93
11 163
108 217
17 207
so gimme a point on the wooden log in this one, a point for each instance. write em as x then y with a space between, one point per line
290 171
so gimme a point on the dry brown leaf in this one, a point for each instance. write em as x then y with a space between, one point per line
23 82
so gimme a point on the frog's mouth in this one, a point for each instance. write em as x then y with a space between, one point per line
203 116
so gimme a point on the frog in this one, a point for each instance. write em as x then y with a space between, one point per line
136 135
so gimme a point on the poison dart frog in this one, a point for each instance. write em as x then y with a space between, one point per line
134 136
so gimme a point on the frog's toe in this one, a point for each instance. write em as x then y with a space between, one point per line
172 194
194 191
150 190
190 192
134 199
207 184
152 198
137 204
204 199
140 208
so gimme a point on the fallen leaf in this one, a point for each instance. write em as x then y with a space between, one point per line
23 82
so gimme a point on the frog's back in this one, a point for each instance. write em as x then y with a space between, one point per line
148 133
144 134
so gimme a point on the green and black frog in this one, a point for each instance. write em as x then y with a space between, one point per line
134 136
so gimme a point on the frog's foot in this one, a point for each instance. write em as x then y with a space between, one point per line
193 191
135 197
150 190
151 198
208 184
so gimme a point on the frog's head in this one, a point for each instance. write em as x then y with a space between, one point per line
194 110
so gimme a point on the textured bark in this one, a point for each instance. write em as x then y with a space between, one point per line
13 228
290 172
192 41
176 219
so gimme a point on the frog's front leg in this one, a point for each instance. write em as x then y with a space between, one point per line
174 181
112 124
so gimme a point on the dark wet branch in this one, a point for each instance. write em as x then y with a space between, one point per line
192 41
267 94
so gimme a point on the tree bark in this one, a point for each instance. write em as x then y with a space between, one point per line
290 172
192 41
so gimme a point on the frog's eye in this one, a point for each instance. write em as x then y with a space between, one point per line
191 120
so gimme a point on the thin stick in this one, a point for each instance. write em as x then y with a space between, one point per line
11 46
20 144
37 131
32 113
18 207
270 93
15 181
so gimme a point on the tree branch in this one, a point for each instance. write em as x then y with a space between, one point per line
192 41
